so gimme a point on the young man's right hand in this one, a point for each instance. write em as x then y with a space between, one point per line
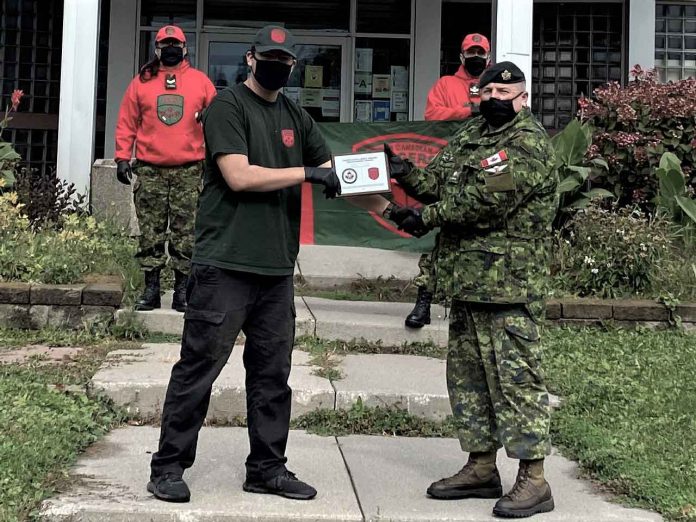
324 176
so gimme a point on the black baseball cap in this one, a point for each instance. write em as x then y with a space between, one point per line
503 72
275 38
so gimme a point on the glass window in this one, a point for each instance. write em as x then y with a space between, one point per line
597 41
381 79
317 15
674 41
227 63
157 13
385 16
458 20
315 82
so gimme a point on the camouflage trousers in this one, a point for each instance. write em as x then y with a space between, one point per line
424 278
165 203
495 382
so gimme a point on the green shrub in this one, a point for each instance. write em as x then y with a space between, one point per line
65 254
612 252
634 125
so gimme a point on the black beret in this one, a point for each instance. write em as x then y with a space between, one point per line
503 72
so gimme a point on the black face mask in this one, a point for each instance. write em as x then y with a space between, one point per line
475 65
498 112
171 56
272 74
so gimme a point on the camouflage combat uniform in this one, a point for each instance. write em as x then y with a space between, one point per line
493 195
166 197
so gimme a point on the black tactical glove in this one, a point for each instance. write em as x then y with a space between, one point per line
324 176
413 223
398 166
123 172
398 214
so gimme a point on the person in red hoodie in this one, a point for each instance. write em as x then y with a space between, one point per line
457 97
453 97
160 113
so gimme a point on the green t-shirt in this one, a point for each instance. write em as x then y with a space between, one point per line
254 231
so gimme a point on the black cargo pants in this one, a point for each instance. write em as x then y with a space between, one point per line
220 304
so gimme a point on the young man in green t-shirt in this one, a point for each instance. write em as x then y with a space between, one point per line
260 147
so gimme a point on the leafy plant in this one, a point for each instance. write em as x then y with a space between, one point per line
673 195
8 156
45 198
575 170
634 125
612 252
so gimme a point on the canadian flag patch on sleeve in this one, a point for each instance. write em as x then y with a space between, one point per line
496 158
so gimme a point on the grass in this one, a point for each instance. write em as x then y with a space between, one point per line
326 355
628 412
46 419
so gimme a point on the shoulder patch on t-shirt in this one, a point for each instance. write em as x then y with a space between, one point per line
288 136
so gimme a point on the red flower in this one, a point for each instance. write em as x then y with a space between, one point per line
16 98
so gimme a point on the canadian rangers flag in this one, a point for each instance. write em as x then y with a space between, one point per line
496 158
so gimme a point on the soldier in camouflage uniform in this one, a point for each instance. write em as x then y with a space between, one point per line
160 114
492 192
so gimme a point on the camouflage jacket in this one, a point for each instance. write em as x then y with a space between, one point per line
493 195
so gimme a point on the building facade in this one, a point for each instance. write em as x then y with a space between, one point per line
359 60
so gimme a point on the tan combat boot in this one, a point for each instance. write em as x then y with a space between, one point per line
530 495
479 478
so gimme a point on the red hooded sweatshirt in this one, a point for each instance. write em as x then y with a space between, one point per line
450 98
162 122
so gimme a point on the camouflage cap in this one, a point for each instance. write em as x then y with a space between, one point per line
275 38
503 72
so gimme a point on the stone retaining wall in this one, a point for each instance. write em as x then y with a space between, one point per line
621 312
33 306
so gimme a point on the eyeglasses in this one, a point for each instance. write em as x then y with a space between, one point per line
470 53
170 43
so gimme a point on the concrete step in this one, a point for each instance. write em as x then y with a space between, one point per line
137 380
324 266
333 319
359 478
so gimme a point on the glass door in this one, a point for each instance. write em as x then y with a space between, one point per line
318 82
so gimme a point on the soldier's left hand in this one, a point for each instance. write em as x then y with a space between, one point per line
413 223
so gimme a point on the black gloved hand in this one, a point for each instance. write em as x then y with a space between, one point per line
124 172
413 223
397 213
398 166
324 176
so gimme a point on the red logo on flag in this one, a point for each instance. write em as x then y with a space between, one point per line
373 172
278 35
288 137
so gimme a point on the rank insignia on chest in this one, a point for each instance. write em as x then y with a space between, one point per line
170 81
474 89
496 158
454 178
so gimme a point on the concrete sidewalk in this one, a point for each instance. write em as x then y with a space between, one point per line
359 478
137 380
332 319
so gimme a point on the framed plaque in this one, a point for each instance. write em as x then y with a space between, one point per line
363 173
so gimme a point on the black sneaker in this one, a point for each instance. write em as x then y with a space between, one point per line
169 487
285 484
